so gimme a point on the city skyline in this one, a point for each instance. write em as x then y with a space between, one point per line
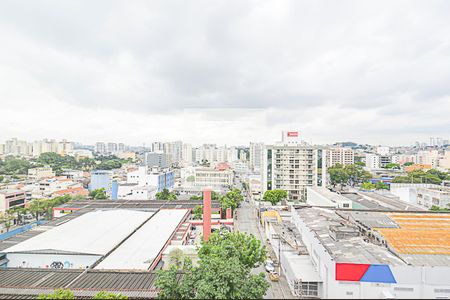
431 142
233 73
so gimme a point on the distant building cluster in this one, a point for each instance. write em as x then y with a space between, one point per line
23 148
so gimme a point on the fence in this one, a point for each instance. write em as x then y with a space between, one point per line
24 228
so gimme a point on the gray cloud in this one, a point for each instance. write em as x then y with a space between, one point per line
382 59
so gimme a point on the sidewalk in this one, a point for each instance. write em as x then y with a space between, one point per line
248 222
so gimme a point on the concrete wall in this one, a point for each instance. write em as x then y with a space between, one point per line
24 260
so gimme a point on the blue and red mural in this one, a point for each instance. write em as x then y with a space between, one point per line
364 273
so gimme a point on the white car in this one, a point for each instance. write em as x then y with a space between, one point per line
269 266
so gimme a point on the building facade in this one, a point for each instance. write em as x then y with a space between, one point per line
342 156
289 167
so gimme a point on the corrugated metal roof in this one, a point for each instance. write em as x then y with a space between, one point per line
28 283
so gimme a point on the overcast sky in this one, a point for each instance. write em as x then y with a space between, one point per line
226 72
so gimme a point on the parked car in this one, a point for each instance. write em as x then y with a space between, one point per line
269 266
274 276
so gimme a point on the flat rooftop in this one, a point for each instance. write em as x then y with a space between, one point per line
373 201
140 250
334 197
420 238
347 250
95 233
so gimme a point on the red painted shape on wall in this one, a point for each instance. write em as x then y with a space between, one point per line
350 272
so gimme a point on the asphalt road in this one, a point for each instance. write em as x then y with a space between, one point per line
246 221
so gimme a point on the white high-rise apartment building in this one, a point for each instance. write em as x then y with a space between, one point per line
17 147
111 148
232 154
177 151
222 154
290 165
100 147
64 147
206 152
157 146
372 161
343 156
187 154
256 154
23 148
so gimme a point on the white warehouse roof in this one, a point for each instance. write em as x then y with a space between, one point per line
96 232
140 250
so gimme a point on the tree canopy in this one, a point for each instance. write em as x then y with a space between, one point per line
348 175
223 271
418 176
367 186
231 199
275 196
392 166
98 194
165 195
14 166
19 166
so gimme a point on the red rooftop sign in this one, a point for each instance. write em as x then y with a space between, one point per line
292 133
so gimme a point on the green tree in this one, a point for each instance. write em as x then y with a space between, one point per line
231 199
68 294
37 208
2 178
348 175
380 185
338 175
392 166
418 176
106 295
248 249
58 294
176 257
275 196
98 194
437 208
198 212
165 195
406 164
14 166
367 186
224 271
214 196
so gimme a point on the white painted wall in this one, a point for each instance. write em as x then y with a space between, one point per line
426 282
27 260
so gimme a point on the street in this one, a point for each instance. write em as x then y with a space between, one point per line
246 221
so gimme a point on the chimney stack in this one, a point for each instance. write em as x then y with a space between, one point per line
206 214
